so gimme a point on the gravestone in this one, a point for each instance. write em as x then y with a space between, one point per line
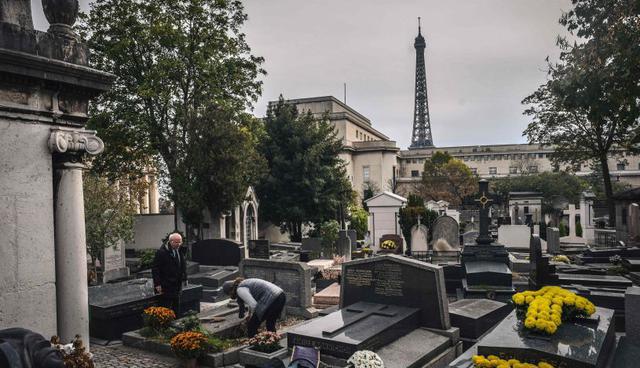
292 277
446 228
353 235
419 238
344 245
387 302
628 350
217 252
542 273
310 249
117 308
390 243
486 265
553 240
514 237
114 265
395 280
259 249
634 223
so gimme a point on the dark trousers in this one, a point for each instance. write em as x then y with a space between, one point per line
171 301
271 315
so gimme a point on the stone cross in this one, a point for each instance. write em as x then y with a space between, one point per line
419 218
377 310
572 212
483 201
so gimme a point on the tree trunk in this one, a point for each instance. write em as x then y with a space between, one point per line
296 231
608 190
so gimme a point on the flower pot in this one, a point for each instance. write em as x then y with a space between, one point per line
252 358
191 363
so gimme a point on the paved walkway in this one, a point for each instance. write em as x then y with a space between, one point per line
118 356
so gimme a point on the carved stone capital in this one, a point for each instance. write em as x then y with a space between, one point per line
75 141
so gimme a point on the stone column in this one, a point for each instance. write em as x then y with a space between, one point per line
67 147
154 204
144 208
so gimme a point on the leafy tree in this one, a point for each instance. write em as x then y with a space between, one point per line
108 213
551 185
446 178
359 221
369 189
329 231
307 182
588 108
185 75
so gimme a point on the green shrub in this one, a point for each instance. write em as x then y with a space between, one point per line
578 230
563 229
146 258
329 233
359 220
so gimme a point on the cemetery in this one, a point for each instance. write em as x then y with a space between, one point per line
351 258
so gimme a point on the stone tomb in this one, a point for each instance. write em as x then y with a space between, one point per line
419 238
211 278
117 308
344 245
446 229
217 252
259 249
586 343
384 300
293 277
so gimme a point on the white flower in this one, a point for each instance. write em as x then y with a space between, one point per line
365 359
68 349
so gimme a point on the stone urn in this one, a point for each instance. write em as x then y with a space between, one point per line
61 15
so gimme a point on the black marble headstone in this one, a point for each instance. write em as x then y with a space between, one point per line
117 308
583 344
474 317
259 248
396 280
541 272
360 326
217 252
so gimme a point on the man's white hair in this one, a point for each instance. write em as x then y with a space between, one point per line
174 236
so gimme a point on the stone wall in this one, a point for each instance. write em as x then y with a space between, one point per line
27 253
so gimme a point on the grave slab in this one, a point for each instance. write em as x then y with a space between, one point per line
328 297
474 317
416 349
582 344
360 326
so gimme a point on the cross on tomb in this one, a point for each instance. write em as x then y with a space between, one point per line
483 201
419 218
374 310
572 212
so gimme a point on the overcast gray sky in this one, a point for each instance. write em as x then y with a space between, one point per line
482 58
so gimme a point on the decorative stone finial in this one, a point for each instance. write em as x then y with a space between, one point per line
61 15
75 141
16 12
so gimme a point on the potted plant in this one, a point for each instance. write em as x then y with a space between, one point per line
189 346
262 348
157 321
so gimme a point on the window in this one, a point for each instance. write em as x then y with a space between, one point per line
533 169
540 155
493 170
513 170
638 166
365 174
474 170
415 173
620 166
500 157
526 209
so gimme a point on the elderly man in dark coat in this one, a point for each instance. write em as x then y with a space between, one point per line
169 272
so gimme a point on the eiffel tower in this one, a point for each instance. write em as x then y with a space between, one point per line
421 137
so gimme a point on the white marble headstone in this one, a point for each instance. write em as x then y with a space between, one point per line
419 236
